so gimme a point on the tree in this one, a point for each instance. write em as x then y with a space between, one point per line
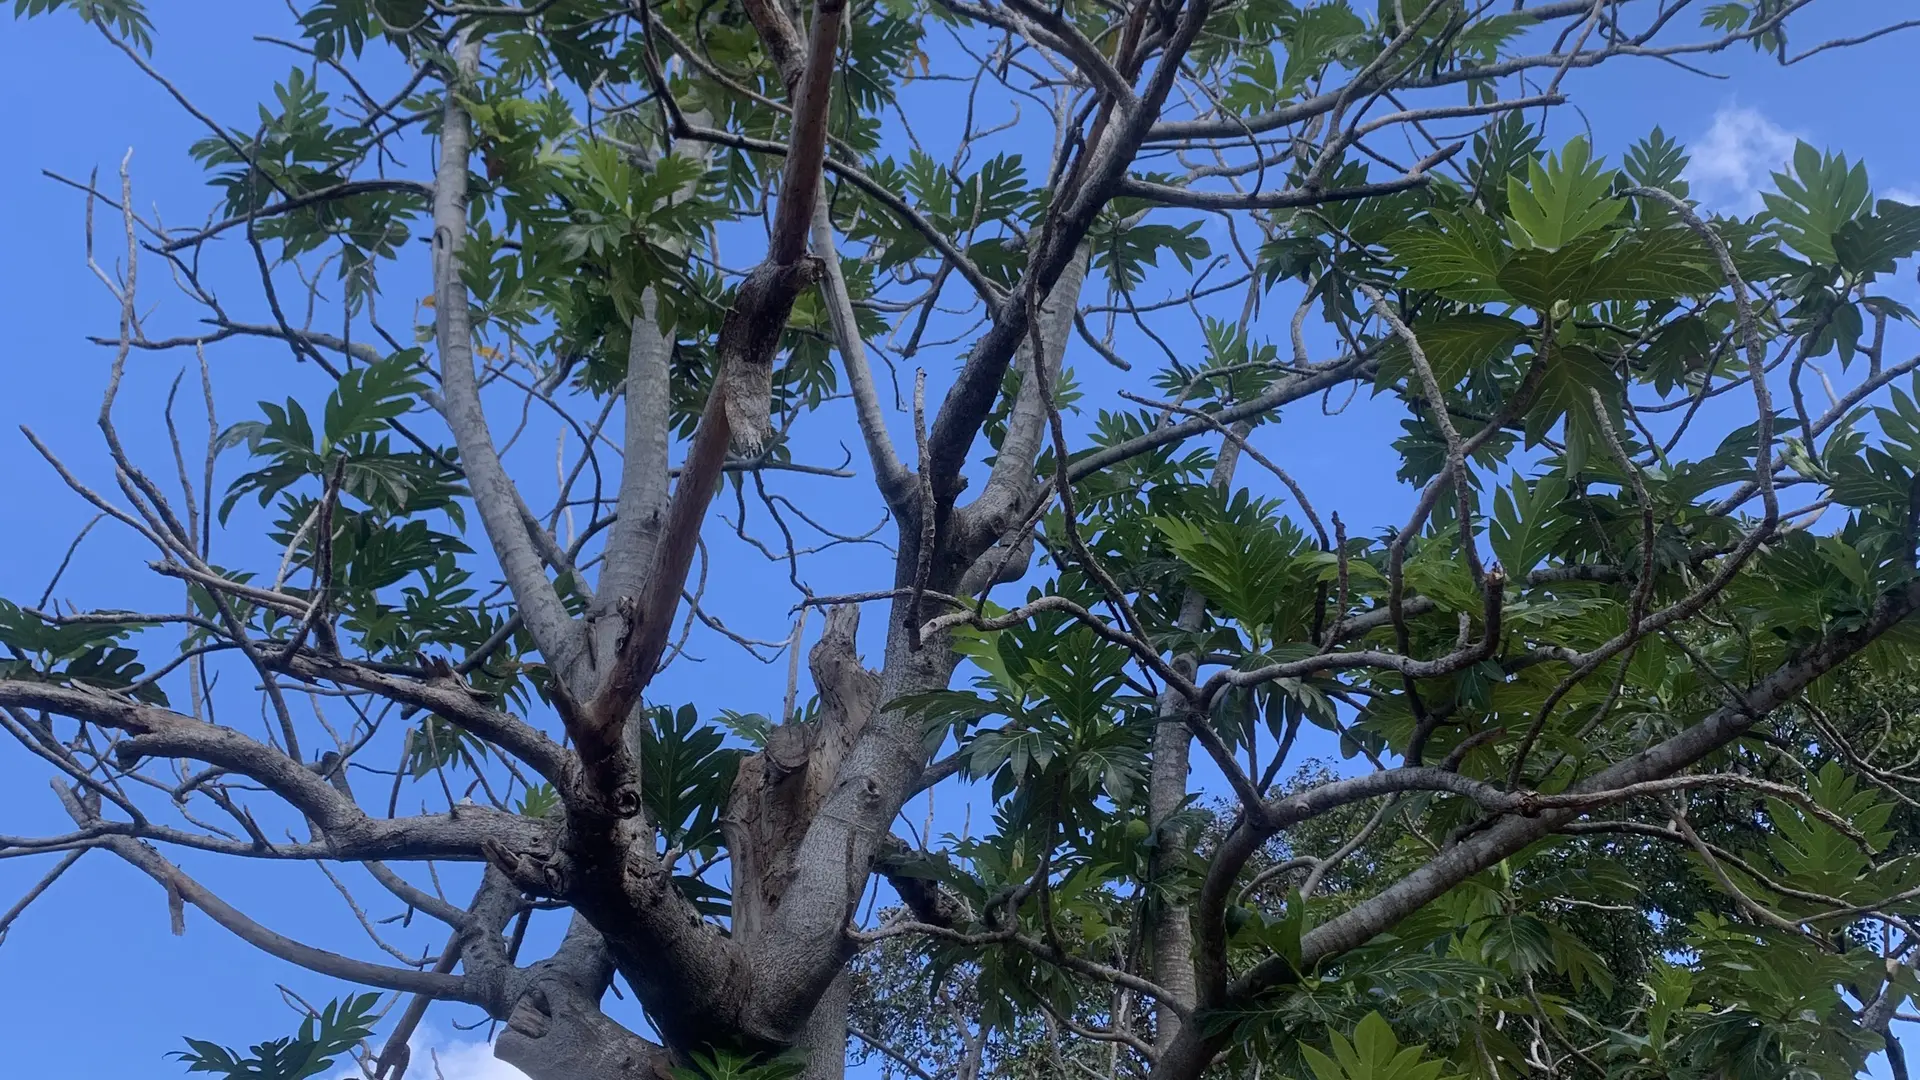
1612 801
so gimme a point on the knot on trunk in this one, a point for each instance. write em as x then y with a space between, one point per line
626 801
538 874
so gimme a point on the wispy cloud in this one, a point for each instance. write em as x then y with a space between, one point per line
1731 160
1903 195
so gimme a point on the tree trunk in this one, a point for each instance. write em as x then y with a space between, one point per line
1166 789
775 797
826 1038
779 789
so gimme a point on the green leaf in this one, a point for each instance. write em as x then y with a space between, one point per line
1821 196
1519 944
755 728
128 18
686 775
1561 201
322 1039
1680 348
1459 256
1374 1053
1573 374
439 743
1542 277
1657 161
1244 568
1812 854
1875 243
1657 264
367 397
1528 521
1643 265
1324 1067
540 801
1316 39
337 27
723 1065
1126 254
1729 17
88 653
1454 346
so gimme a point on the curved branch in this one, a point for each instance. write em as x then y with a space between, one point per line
1078 964
348 832
446 695
344 190
1510 835
913 219
179 884
890 475
1171 195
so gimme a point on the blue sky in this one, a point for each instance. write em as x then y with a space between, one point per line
91 983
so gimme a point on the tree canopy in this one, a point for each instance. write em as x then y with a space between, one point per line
1616 769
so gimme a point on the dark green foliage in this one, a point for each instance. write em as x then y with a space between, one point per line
94 654
321 1040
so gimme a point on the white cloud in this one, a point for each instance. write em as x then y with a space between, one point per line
1731 161
1902 195
462 1060
438 1056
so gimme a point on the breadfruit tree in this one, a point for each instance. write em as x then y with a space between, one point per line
1619 689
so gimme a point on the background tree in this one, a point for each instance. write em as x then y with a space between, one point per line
1620 695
